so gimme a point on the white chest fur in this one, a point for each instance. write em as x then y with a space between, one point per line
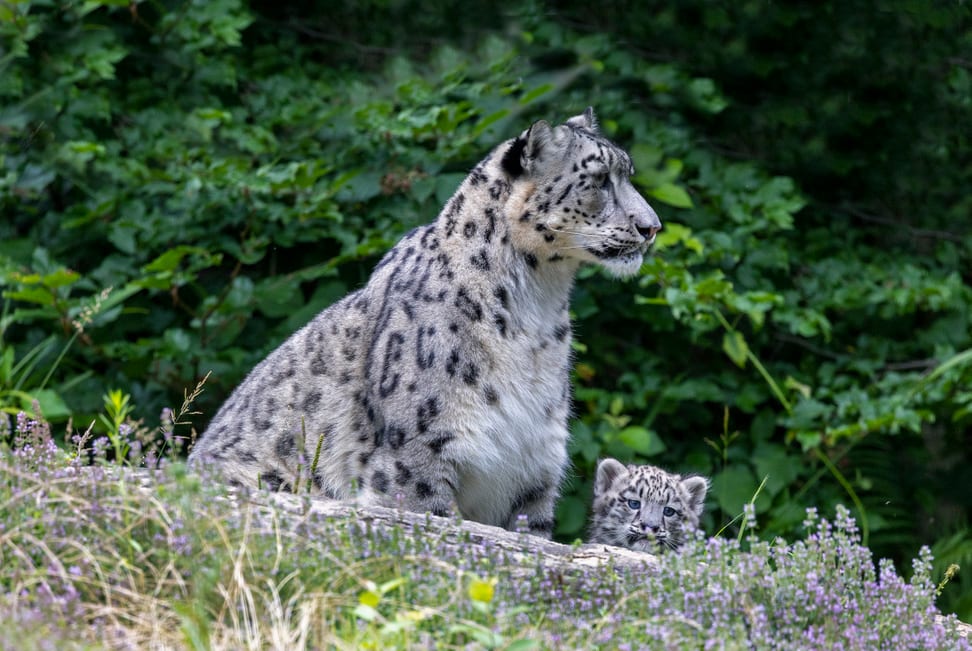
521 441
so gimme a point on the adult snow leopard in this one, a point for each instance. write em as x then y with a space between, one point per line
644 508
443 384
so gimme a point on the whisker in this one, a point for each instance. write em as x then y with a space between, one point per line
596 236
572 232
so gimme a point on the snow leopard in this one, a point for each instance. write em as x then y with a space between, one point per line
442 385
644 508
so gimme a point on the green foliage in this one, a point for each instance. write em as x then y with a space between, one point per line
182 185
115 420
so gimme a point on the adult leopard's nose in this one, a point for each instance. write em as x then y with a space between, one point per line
648 231
647 225
646 221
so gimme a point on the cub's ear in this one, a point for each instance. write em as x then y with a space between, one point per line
585 120
607 471
696 487
527 149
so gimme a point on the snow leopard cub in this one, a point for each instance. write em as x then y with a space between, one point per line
644 507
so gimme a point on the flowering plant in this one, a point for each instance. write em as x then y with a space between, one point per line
91 557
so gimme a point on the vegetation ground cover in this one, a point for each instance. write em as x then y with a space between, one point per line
95 558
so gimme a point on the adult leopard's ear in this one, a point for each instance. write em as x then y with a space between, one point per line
585 120
528 149
607 471
696 487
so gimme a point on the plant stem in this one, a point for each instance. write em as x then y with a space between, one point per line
839 476
774 387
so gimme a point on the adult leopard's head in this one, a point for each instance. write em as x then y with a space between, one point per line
573 190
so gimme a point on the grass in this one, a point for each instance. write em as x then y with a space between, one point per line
91 559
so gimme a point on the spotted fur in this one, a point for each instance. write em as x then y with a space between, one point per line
443 384
644 507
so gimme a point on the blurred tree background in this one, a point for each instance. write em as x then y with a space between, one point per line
183 184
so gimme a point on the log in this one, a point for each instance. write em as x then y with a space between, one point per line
521 548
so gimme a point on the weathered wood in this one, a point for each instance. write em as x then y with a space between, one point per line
519 547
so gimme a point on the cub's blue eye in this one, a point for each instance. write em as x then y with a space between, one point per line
634 504
668 511
605 180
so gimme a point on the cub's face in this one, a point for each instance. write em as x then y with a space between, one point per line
580 199
643 507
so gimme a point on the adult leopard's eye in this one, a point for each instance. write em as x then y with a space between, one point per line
634 504
668 511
